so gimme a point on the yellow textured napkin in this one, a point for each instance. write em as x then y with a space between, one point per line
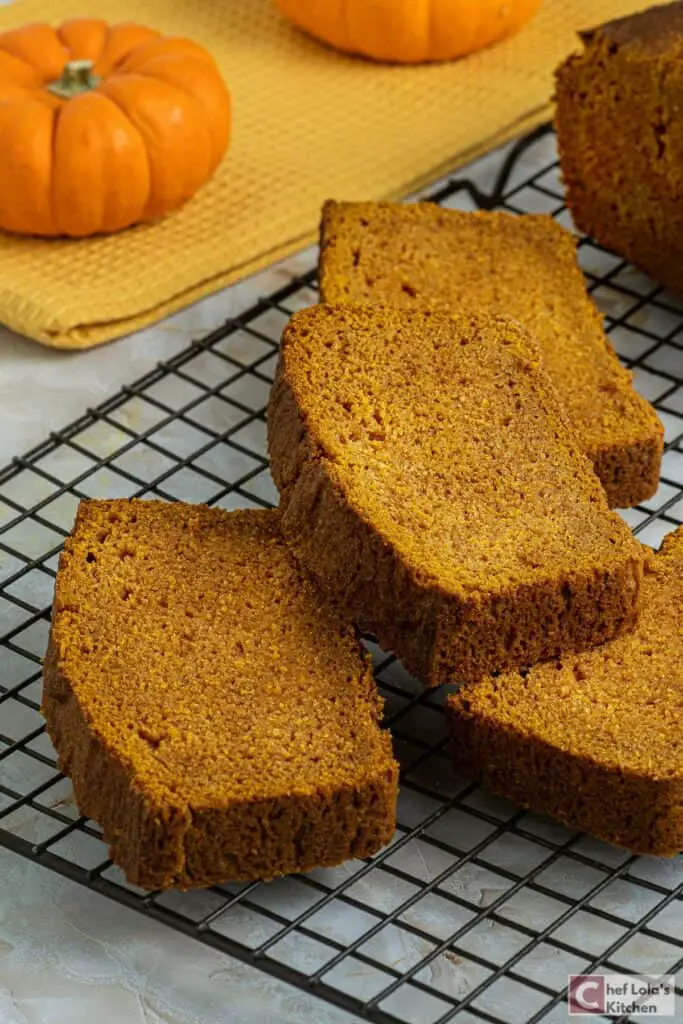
309 125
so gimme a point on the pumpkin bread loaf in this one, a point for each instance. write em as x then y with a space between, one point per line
618 121
215 718
523 267
596 740
429 480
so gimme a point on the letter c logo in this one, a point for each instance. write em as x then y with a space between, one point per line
581 996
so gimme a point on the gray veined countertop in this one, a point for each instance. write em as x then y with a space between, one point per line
70 956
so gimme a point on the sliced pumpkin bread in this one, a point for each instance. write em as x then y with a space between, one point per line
215 717
430 482
594 740
412 255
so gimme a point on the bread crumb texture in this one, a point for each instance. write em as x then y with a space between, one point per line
621 142
525 267
214 715
430 481
594 740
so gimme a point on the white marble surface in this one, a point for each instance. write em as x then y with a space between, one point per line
70 956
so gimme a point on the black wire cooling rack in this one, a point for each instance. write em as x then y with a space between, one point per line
477 911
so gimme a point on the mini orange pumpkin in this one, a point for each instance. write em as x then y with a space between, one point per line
104 126
410 31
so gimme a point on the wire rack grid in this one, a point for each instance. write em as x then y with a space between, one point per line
477 911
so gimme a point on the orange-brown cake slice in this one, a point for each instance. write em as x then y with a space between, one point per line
596 740
417 255
429 480
214 715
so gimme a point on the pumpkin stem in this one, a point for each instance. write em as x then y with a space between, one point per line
77 77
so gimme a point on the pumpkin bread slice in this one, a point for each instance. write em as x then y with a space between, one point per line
596 740
524 267
619 138
429 480
214 716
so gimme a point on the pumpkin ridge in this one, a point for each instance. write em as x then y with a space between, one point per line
180 84
53 151
165 46
27 116
36 45
218 135
116 39
176 84
23 66
134 127
148 128
91 207
71 34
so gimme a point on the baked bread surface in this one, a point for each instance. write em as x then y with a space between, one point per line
430 482
214 715
596 740
416 255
